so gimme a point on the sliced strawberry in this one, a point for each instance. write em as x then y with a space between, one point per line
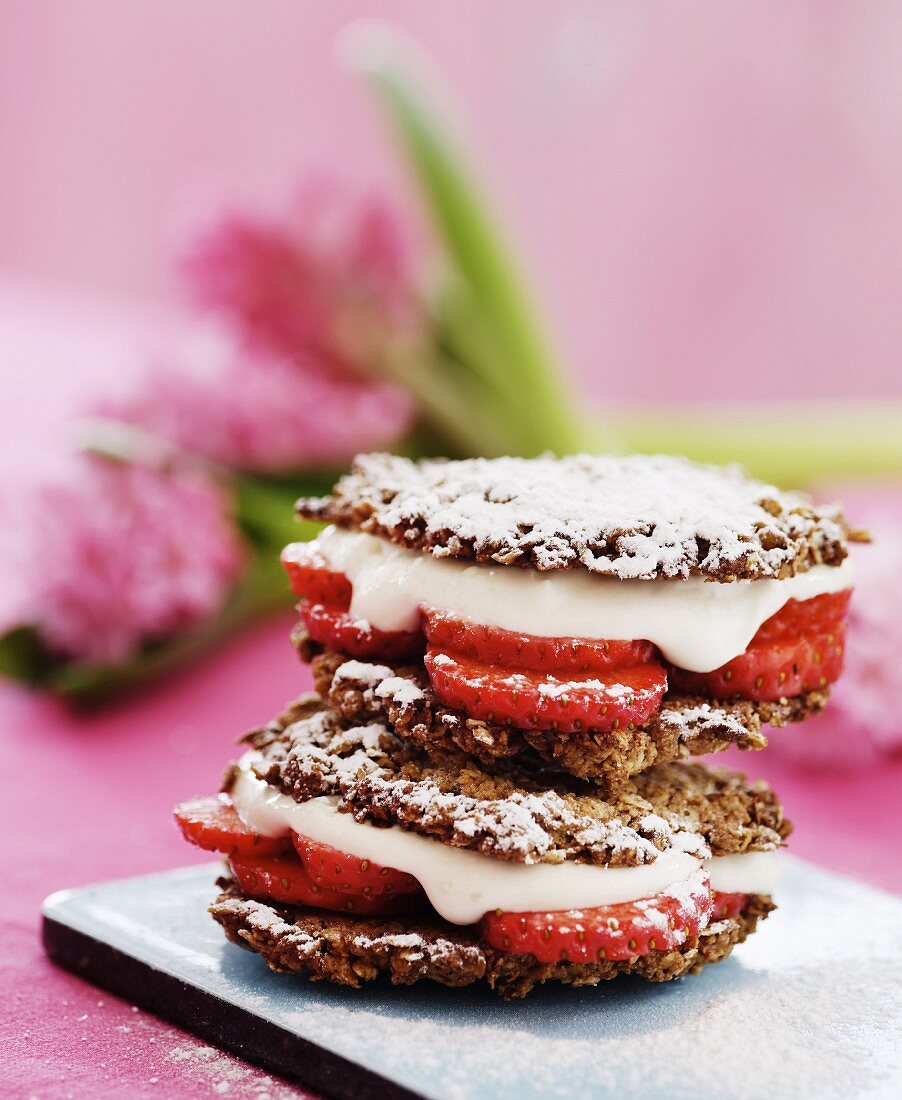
342 631
347 874
728 905
528 699
495 646
772 670
214 824
312 579
283 879
819 615
616 932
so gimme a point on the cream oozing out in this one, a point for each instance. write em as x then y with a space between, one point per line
697 624
462 885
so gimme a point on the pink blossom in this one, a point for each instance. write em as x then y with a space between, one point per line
108 556
252 411
300 280
302 311
862 722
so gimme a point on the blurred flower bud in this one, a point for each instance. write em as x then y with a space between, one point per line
303 281
302 313
106 557
253 411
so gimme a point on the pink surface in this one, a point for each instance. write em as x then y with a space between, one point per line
706 193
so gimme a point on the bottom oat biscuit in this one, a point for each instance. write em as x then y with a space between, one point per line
352 853
346 950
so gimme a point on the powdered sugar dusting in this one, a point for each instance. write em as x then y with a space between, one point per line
521 826
377 780
635 517
319 747
362 672
400 690
414 946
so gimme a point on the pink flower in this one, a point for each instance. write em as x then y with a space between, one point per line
303 310
302 280
109 556
251 411
862 722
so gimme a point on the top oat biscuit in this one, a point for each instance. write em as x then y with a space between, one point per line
635 517
638 517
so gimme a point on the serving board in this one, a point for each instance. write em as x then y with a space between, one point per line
809 1006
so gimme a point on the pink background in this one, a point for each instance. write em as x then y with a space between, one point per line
708 197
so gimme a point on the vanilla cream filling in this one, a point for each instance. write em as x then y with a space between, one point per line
463 885
698 625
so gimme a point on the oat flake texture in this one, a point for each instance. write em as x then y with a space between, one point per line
635 517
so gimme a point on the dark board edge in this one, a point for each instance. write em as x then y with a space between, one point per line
215 1020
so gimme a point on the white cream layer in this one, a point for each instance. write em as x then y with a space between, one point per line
698 625
463 885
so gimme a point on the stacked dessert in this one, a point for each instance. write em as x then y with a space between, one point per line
513 660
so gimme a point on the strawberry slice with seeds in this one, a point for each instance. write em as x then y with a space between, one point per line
624 931
343 631
312 579
772 670
284 879
819 615
529 699
214 825
337 870
510 649
728 905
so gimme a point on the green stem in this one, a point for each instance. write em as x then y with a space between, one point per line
469 229
265 509
791 444
452 402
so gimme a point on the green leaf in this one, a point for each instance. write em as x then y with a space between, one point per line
23 656
264 507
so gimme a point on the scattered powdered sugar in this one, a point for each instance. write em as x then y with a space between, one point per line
416 947
400 690
522 826
262 918
700 726
410 939
319 744
689 721
513 811
557 689
363 673
688 892
634 517
654 825
685 840
227 1076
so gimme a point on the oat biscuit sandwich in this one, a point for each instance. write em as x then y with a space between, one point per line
600 613
513 661
352 853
